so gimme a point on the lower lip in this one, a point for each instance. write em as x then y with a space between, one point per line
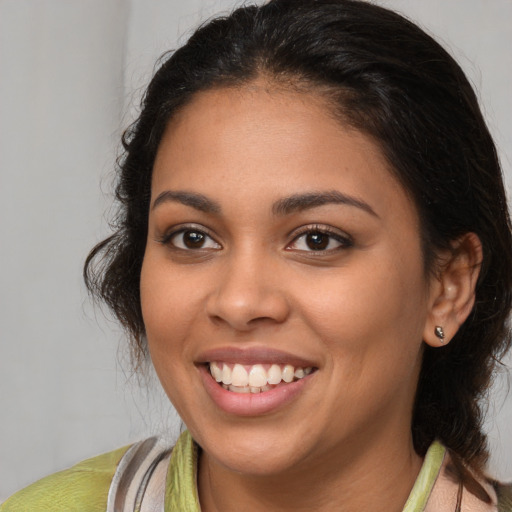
251 404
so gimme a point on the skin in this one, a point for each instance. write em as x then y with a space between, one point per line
360 309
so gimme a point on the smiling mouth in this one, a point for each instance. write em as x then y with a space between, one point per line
257 378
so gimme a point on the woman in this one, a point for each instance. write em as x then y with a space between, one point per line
313 246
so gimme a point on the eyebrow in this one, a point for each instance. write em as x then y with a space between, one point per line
192 199
284 206
300 202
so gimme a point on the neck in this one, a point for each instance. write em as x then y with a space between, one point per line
377 476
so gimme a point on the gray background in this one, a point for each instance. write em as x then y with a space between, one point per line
71 73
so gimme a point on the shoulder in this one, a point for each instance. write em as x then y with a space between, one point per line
82 488
504 493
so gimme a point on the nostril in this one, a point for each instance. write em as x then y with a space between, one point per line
247 294
245 316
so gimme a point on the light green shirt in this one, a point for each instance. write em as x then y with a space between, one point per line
84 487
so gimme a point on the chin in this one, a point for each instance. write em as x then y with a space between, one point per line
252 451
256 462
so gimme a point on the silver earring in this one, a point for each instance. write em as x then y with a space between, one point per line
439 332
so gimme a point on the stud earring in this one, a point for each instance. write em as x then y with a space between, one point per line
439 332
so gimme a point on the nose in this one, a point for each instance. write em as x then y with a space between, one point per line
249 292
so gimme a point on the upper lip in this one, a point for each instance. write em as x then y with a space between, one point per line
253 355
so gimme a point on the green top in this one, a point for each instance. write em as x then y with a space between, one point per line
181 487
426 479
84 487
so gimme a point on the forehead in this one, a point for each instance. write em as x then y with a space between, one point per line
260 141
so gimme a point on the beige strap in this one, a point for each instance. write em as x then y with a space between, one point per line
139 481
154 495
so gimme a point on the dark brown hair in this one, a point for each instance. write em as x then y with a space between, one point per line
390 80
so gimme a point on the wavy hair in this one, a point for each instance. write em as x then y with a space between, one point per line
387 78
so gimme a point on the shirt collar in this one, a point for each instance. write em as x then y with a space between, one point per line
181 489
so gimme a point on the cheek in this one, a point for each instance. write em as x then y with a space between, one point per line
369 311
168 300
167 310
368 322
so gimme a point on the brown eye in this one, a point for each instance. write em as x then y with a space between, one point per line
317 241
190 239
193 239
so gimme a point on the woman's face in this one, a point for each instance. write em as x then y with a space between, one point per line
281 247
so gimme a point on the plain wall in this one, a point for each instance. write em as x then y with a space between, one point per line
71 73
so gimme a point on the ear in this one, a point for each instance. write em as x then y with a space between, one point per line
452 289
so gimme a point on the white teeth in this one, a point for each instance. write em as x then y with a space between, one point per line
299 373
274 374
239 389
288 372
257 376
216 372
226 374
239 376
254 378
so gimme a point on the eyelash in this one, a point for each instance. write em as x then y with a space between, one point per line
344 241
167 239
